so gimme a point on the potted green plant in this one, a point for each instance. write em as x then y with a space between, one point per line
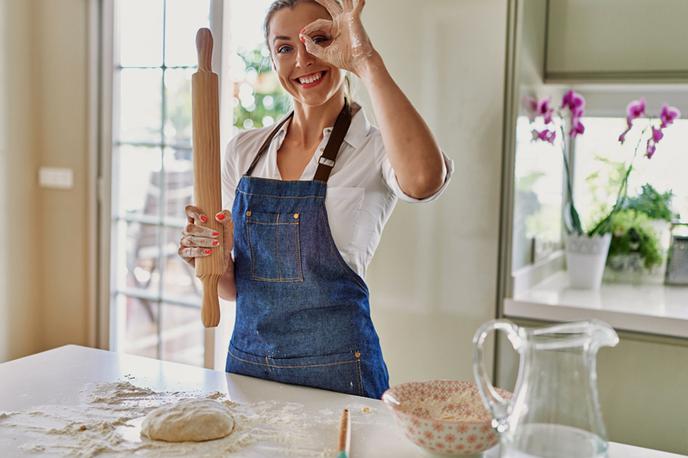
586 250
640 238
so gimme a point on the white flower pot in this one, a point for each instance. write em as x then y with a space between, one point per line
585 259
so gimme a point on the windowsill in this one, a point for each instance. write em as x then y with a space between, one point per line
650 309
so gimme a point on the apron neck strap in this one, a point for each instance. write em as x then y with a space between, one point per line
329 156
266 143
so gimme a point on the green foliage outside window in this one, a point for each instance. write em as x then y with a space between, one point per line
259 100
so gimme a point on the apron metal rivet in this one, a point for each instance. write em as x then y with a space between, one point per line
357 354
296 216
248 212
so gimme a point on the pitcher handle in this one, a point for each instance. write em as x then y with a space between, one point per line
498 406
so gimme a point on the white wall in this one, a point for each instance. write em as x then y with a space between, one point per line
21 220
433 279
43 259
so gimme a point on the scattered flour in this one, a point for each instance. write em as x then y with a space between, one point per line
108 421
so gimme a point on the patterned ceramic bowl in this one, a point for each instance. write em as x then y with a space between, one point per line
443 416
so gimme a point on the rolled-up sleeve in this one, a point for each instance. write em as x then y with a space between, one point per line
390 178
230 174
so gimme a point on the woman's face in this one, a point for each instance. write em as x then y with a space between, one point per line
309 80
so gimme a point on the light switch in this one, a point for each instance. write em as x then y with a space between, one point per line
56 178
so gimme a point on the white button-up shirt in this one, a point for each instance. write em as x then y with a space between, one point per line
361 192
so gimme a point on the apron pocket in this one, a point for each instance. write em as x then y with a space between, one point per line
339 372
275 246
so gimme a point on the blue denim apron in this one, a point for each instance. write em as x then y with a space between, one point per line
303 315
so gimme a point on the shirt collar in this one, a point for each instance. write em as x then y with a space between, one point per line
355 136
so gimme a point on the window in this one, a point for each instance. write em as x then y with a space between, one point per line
537 197
598 155
154 296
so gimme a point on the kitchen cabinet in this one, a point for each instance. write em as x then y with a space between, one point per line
616 40
641 384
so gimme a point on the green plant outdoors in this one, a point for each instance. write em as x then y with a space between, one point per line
632 233
259 100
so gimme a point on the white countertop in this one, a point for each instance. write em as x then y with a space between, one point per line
651 309
57 377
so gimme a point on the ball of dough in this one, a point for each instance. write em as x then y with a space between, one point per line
194 420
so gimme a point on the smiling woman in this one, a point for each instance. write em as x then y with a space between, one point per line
303 311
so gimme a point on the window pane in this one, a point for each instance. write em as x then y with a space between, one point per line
259 100
178 105
184 18
180 280
137 180
140 32
599 155
182 334
140 96
137 258
537 198
178 184
138 328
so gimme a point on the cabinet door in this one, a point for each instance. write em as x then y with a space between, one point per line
617 39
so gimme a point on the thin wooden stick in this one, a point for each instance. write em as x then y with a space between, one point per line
344 435
206 163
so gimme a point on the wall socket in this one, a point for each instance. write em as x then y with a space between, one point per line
56 178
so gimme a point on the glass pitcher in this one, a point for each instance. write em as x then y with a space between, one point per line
554 411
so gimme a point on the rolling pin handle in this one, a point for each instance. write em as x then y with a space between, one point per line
204 46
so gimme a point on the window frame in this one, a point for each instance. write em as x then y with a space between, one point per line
102 74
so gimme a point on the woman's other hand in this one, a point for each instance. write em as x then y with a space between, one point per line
200 241
345 42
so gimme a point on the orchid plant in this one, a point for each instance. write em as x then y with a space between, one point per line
566 121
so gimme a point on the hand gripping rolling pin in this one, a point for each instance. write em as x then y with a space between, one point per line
206 165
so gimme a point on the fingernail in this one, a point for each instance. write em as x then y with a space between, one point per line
207 251
302 39
204 219
215 233
216 243
220 216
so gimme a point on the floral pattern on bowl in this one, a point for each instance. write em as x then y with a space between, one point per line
443 416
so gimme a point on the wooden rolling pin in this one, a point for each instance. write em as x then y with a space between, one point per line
206 164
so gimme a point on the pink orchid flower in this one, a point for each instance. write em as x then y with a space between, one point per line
544 135
668 115
657 134
577 127
651 148
634 110
542 107
574 102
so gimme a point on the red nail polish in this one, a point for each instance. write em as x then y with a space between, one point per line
220 216
215 233
215 243
204 219
207 251
302 39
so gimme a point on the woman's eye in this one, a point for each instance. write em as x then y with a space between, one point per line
283 49
320 39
